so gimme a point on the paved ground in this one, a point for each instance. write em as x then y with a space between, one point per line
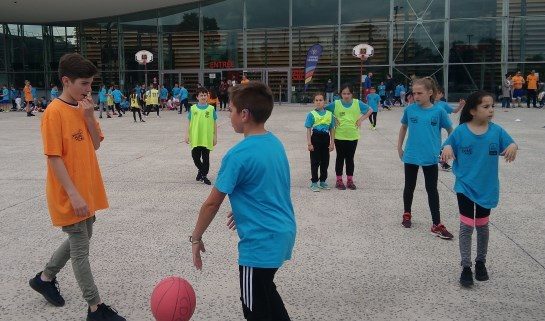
352 259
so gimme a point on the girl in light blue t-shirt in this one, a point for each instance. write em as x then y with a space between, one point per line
476 145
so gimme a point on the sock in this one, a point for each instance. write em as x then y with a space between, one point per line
349 178
339 178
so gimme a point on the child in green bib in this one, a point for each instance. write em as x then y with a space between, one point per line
202 134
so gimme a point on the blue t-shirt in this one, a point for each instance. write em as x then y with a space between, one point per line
102 95
424 129
176 92
255 173
364 108
373 100
382 90
203 107
184 94
320 128
399 89
117 95
164 93
13 93
138 91
445 106
34 93
476 163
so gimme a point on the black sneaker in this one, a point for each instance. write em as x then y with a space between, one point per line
480 271
104 313
446 167
199 177
206 180
50 290
466 279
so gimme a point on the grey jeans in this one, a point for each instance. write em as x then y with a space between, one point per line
76 248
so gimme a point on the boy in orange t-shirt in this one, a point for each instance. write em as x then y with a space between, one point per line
518 92
532 80
74 185
29 100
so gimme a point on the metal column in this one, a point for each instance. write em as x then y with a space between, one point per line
339 21
446 49
290 51
504 38
391 40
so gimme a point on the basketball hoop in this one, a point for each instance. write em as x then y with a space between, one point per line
363 52
143 57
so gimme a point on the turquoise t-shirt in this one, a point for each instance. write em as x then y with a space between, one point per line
381 90
423 144
164 93
445 106
373 100
5 95
54 93
184 94
117 95
476 163
102 95
176 92
255 173
320 128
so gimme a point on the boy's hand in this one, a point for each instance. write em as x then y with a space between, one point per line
197 249
462 103
510 153
79 205
310 147
447 154
231 221
358 122
88 106
331 147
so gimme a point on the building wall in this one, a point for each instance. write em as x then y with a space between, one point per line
465 44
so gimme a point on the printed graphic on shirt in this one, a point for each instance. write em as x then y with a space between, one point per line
78 136
414 120
468 150
493 149
434 121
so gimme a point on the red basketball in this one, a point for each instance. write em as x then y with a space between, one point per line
173 299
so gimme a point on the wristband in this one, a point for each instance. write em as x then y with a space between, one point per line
192 241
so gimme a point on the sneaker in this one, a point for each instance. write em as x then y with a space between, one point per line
50 290
108 116
350 184
340 185
206 180
199 177
446 167
406 220
466 278
100 117
480 271
441 231
104 313
314 187
324 185
142 121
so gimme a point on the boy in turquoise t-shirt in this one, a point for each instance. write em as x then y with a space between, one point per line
202 134
258 185
373 100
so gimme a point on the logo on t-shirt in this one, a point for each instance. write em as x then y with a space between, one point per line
434 121
207 114
414 120
342 113
467 150
78 135
493 149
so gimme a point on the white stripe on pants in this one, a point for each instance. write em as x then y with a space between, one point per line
247 284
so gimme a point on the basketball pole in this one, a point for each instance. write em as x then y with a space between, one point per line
361 78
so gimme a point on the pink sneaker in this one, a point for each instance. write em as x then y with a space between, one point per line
441 231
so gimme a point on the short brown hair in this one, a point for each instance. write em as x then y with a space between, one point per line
256 97
319 93
429 83
74 65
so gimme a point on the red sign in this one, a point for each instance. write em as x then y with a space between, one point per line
298 74
221 64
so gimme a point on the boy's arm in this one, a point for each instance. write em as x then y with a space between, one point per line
332 139
207 213
89 115
364 116
309 141
187 132
401 139
215 132
59 170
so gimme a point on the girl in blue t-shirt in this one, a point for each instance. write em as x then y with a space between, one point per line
424 121
476 146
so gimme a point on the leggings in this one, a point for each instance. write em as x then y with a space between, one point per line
319 158
134 111
472 214
430 177
373 119
345 153
201 152
118 108
149 108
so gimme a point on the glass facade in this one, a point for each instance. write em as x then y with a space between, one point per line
463 49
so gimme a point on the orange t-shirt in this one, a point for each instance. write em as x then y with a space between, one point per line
65 134
28 93
517 82
532 81
245 82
